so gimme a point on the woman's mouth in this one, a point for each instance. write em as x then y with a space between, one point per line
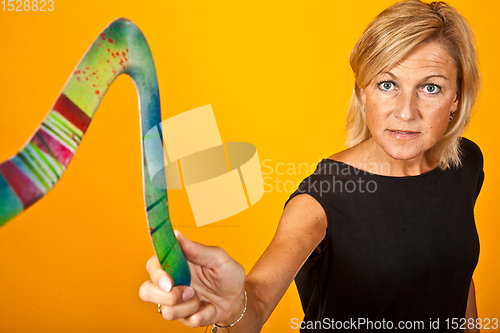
403 134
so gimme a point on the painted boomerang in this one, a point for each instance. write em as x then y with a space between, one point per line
29 175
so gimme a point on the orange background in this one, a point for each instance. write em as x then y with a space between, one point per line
276 74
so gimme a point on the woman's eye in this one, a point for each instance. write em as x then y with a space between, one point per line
386 85
432 88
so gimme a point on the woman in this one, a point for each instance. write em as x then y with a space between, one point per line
381 235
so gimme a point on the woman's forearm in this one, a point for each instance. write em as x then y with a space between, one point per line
275 270
254 316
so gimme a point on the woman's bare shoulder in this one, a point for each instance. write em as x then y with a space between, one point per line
304 211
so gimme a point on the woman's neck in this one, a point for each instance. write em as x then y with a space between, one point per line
372 153
370 157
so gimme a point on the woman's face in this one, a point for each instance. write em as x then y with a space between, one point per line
408 107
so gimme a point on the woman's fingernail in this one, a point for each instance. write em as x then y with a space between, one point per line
176 233
165 284
187 294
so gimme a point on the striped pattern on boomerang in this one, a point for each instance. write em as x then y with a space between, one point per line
29 175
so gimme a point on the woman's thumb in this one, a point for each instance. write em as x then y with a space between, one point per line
199 254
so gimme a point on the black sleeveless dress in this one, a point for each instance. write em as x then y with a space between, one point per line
399 252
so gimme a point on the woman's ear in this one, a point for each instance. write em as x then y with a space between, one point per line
454 105
362 95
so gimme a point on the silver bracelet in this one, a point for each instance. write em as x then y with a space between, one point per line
215 327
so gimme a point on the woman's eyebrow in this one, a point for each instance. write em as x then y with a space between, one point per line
437 75
391 75
425 79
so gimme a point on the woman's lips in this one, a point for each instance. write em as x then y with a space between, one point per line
402 134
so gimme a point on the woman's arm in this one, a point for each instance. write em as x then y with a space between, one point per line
471 311
219 282
301 228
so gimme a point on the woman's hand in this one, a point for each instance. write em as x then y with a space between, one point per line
219 283
217 287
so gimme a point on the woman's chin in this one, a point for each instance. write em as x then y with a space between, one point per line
403 153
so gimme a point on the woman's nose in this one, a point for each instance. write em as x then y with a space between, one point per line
406 108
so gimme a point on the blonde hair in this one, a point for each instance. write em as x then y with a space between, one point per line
391 36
